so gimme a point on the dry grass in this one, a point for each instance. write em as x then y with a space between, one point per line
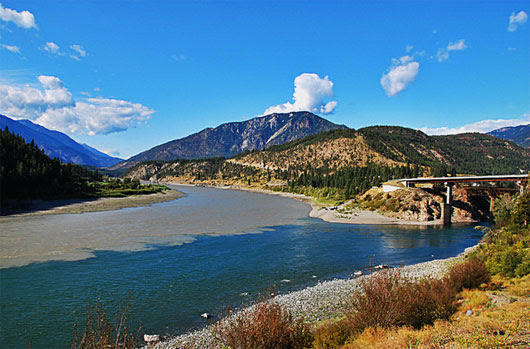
504 324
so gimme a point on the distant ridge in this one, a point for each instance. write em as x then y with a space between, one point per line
517 134
57 144
235 137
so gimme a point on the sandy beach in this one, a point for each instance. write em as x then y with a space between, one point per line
39 207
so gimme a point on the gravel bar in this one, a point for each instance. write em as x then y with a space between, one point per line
323 301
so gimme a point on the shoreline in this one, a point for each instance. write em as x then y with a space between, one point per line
320 302
76 206
358 216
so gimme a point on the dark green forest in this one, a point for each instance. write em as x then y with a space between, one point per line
26 172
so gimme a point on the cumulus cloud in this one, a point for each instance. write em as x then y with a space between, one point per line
51 47
479 126
53 106
14 49
443 53
24 19
310 94
402 73
516 20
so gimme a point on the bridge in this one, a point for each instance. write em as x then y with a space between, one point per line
449 182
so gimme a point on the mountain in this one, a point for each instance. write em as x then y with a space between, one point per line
517 134
57 144
343 163
472 153
232 138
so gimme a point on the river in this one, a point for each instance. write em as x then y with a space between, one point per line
211 249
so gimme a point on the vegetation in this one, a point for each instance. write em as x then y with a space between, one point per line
268 325
102 332
337 165
507 249
465 308
26 172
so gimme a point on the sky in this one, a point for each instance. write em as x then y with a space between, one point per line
124 76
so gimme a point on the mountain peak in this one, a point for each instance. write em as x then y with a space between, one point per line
517 134
232 138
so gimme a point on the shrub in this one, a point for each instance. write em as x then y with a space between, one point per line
469 274
433 299
382 301
332 335
267 325
100 332
524 267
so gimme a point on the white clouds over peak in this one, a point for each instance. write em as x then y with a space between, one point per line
402 73
53 106
310 94
516 20
443 53
479 126
24 19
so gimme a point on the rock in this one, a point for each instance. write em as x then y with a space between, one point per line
148 338
469 312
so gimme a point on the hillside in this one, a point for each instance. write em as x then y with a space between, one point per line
517 134
232 138
57 144
337 165
393 146
27 173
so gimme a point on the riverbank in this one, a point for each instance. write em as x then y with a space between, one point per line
333 214
325 300
52 207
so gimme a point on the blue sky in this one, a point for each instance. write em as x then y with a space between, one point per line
124 76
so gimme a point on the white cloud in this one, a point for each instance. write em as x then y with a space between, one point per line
178 58
79 49
516 20
111 151
443 53
14 49
409 48
401 74
479 126
52 106
74 57
457 45
310 94
24 19
51 47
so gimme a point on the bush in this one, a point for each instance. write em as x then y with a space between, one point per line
267 325
100 332
469 274
382 301
332 335
523 268
433 299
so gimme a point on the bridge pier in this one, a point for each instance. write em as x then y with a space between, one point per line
447 207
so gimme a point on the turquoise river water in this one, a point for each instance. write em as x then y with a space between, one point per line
212 249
